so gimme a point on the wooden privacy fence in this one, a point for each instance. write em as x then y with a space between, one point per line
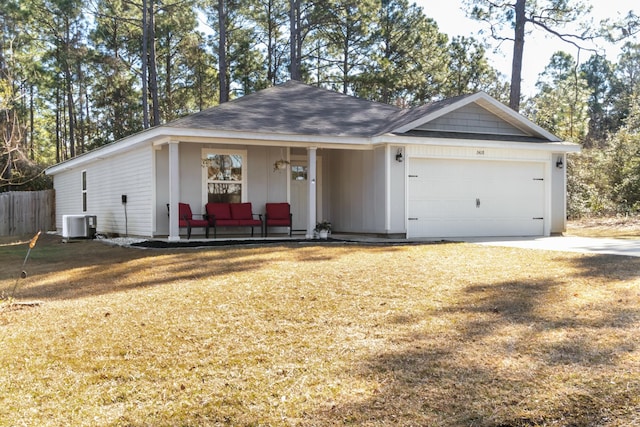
26 212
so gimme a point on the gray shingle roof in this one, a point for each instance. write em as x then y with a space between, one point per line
295 108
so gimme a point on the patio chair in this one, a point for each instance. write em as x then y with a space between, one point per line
186 220
277 215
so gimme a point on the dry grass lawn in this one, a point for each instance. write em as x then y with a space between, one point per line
617 227
318 335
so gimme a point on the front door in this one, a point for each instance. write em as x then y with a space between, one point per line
300 192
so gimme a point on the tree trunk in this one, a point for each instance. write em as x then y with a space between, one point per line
58 139
32 148
271 74
81 99
68 88
145 65
518 49
386 92
345 60
222 52
168 95
296 43
72 141
153 68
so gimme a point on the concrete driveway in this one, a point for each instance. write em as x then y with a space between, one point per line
565 244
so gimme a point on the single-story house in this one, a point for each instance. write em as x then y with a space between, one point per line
465 166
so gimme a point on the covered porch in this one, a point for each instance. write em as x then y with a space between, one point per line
347 184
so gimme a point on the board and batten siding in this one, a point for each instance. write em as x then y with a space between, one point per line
474 119
357 191
397 191
129 174
558 194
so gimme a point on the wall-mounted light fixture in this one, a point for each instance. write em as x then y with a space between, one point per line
399 157
559 163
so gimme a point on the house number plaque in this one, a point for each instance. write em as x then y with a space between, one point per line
479 152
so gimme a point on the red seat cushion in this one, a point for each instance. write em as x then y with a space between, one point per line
198 223
227 222
250 222
241 211
277 211
221 211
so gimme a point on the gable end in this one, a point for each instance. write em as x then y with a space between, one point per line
472 118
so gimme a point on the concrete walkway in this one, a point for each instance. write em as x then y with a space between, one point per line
565 244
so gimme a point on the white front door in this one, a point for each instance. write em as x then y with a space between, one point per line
465 198
300 192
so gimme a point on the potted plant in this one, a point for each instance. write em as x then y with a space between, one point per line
323 229
280 165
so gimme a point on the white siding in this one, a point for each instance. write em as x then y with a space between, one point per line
558 194
107 180
476 153
377 176
131 174
473 119
356 191
68 186
397 191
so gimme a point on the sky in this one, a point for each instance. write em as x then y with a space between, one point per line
452 20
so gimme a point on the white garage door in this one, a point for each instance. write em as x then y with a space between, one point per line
464 198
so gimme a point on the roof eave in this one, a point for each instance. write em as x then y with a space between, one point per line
259 138
556 146
165 134
119 146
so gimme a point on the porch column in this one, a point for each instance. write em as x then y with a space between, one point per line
174 190
311 179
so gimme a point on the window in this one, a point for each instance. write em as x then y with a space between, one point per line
84 191
224 176
298 173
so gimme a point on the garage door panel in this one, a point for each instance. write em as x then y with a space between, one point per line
463 227
439 209
458 198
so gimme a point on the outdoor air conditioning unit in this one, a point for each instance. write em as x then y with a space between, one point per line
79 226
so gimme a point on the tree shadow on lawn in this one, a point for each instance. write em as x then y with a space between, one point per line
608 267
518 353
58 271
